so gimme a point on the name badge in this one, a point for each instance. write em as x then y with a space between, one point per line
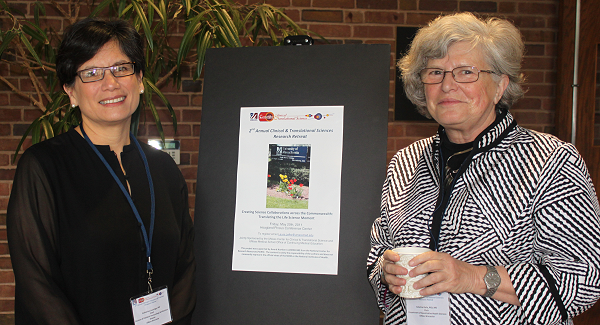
429 310
152 308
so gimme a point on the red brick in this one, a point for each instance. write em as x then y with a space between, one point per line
438 5
52 23
552 22
329 31
301 3
533 117
353 17
529 21
3 203
391 144
189 115
294 15
4 160
538 63
18 7
534 76
197 101
550 77
184 130
7 291
333 3
536 8
4 189
419 19
374 31
163 113
18 100
6 85
548 104
540 90
335 16
7 276
168 130
31 114
551 50
534 49
507 7
408 4
8 144
10 115
479 6
5 130
184 159
421 129
5 264
395 130
175 100
189 172
384 17
190 144
7 306
7 175
4 101
377 4
279 3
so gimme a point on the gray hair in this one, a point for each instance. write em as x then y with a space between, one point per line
499 40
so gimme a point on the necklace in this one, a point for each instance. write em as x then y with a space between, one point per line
449 175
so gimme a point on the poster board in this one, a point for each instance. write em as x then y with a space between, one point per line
355 77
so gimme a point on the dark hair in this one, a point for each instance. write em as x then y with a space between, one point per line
82 40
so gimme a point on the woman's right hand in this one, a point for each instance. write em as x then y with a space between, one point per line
389 271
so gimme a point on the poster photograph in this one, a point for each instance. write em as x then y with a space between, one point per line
288 189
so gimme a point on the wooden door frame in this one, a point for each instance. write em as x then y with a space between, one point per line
565 70
564 104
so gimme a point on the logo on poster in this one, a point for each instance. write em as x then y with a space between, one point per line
253 116
265 116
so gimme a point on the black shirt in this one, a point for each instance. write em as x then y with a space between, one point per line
76 247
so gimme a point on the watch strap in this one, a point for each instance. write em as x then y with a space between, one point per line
492 280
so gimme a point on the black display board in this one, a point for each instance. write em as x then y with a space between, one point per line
355 76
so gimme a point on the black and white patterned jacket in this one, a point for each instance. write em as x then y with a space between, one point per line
525 199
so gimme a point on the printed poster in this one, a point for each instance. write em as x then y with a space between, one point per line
287 212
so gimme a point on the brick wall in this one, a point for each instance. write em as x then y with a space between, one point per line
341 22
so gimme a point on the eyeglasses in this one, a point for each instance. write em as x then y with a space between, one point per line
430 76
97 74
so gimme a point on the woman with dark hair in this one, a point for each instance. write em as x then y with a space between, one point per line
510 215
97 222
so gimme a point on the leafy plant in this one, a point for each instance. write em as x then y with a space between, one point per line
206 23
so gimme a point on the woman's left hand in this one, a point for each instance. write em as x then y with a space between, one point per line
447 274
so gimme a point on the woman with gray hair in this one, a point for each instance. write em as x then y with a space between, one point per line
510 215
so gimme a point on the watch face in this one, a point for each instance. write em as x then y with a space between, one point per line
492 279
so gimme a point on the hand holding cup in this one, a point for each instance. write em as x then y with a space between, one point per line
406 254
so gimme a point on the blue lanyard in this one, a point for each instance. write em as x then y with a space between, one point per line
147 239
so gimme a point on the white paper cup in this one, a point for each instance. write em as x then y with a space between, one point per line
406 254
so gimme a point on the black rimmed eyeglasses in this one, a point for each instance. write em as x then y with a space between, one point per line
466 74
97 74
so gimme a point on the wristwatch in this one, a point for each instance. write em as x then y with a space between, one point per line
492 280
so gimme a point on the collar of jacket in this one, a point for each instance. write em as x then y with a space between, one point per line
488 138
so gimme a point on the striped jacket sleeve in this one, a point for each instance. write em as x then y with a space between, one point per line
565 219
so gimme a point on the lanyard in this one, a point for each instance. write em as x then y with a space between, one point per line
147 239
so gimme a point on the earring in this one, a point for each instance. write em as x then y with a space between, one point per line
73 105
141 91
